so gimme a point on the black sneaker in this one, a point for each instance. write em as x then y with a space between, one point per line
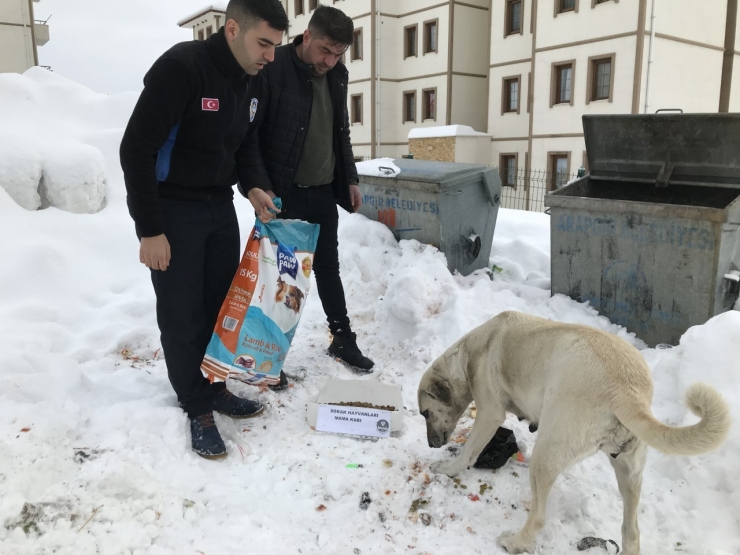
282 384
229 404
206 440
344 347
499 450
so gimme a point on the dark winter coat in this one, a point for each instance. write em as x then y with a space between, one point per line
186 134
275 145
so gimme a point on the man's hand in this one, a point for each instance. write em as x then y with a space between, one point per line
355 197
262 203
154 252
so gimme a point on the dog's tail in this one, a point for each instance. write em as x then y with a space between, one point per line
706 435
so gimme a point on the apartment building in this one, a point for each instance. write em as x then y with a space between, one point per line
205 21
413 63
552 61
20 36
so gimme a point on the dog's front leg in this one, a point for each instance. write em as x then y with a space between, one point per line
486 423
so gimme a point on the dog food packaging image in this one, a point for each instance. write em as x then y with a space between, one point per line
259 316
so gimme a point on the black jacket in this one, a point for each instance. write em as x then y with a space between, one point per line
275 145
186 134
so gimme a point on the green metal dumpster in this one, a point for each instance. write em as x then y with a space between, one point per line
651 237
449 205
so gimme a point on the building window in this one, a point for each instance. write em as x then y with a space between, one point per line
357 45
410 41
429 104
562 83
312 5
209 31
430 36
559 170
508 169
299 7
409 106
513 17
511 94
356 108
566 6
600 78
201 34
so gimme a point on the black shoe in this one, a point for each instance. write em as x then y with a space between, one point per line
499 450
282 384
344 346
206 440
229 404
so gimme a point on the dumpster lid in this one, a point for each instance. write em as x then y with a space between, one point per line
664 149
428 171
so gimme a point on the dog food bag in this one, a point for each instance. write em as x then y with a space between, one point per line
259 316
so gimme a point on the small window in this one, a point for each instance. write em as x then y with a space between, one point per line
299 7
508 169
566 5
513 17
410 41
201 34
312 5
356 108
209 31
409 106
429 107
558 171
430 36
563 83
511 94
601 79
357 45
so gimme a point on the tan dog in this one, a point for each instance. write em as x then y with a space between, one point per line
587 390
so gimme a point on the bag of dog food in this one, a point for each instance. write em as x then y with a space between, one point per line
259 316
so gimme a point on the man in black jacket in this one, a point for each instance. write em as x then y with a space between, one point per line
181 154
303 154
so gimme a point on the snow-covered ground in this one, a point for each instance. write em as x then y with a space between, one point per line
91 438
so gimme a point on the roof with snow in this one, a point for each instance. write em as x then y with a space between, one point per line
217 7
444 131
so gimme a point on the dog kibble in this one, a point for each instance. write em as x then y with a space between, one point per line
363 405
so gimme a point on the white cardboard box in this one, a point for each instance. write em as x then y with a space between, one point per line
360 391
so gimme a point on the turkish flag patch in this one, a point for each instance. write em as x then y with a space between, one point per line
210 104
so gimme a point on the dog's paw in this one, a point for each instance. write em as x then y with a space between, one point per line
445 467
514 544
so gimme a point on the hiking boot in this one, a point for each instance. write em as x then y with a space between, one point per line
282 384
499 450
227 403
206 440
345 347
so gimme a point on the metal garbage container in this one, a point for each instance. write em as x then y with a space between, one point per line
651 236
451 206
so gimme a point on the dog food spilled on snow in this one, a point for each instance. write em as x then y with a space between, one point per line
363 405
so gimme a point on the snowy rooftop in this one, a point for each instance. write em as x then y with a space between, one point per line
216 7
444 131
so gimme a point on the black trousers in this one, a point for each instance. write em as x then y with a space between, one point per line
204 241
317 206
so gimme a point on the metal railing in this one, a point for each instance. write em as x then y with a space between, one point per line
526 189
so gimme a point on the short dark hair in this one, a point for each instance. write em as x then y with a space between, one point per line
249 13
333 24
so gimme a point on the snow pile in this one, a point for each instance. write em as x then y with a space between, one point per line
46 158
379 167
444 131
95 456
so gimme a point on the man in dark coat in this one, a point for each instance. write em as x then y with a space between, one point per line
303 154
181 154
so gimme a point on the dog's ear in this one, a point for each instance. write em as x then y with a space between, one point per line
299 294
441 390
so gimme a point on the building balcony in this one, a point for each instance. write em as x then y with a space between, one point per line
41 30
